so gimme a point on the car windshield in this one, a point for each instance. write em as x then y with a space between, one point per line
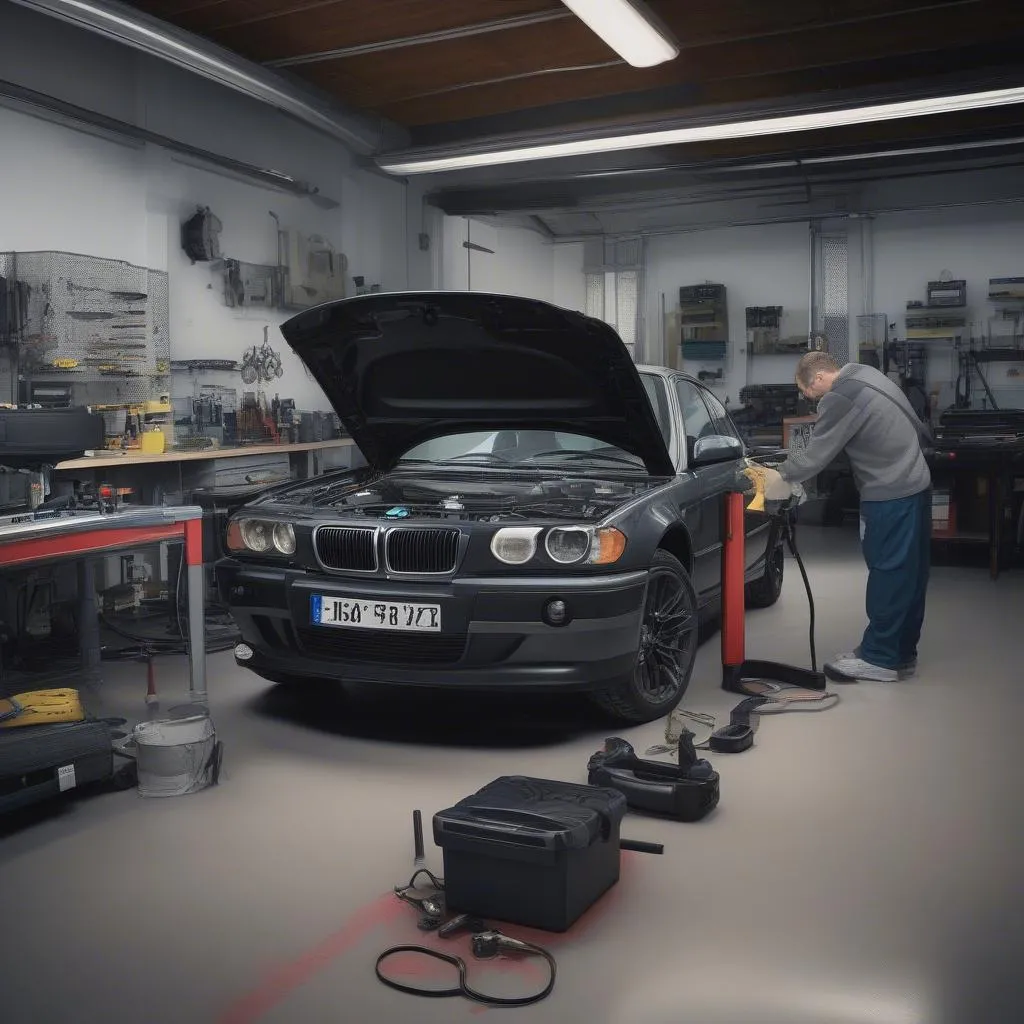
521 448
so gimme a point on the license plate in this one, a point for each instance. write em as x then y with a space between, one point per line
364 613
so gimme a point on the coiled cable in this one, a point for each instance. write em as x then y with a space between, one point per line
464 989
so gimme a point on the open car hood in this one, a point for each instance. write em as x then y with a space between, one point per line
403 368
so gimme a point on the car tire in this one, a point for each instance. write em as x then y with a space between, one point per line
764 592
662 673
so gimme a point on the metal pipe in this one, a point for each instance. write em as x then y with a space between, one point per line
121 130
130 27
810 282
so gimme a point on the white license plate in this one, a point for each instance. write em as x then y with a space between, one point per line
365 613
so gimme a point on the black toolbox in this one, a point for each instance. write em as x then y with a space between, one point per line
42 761
530 851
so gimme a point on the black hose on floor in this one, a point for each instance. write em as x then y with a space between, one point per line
791 541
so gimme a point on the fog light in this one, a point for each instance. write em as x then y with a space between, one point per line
243 652
555 613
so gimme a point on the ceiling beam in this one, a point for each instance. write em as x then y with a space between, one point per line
424 39
812 50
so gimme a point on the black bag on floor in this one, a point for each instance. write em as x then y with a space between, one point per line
42 761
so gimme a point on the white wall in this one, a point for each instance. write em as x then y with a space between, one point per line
974 244
68 190
569 288
891 259
523 262
760 266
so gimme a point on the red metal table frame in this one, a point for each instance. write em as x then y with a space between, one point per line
82 536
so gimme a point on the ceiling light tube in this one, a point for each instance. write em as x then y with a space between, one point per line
629 28
411 163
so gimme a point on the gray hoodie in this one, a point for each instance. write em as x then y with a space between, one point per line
877 432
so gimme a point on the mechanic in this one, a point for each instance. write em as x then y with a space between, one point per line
862 412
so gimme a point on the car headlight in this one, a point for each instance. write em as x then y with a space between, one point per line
261 537
284 538
569 545
515 545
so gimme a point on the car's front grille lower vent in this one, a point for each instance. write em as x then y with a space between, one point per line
342 547
383 646
426 551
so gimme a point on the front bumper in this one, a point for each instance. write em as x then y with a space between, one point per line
493 634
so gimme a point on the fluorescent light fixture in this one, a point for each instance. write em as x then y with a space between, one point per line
410 163
631 30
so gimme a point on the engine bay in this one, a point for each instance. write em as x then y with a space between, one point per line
494 498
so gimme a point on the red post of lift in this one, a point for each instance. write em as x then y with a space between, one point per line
735 667
733 585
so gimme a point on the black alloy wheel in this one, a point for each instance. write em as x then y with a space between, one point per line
667 648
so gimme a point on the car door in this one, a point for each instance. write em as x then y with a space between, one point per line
758 525
713 482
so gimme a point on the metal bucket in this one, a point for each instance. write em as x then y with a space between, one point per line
176 756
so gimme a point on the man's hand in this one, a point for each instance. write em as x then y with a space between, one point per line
775 487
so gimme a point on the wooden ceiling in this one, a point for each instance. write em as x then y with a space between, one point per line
540 68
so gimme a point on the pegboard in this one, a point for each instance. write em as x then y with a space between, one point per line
100 327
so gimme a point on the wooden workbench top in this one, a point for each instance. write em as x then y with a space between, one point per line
106 460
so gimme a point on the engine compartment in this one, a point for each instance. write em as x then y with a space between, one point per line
481 498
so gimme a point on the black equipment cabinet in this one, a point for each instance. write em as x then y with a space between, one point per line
39 762
35 437
978 469
530 851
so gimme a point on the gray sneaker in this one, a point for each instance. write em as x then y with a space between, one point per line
854 669
907 671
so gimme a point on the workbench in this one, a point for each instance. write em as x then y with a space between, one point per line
82 536
171 477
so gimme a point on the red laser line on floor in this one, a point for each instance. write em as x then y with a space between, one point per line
284 980
387 911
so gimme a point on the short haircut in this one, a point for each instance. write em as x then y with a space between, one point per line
812 363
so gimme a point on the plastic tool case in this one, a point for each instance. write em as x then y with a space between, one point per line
42 761
530 851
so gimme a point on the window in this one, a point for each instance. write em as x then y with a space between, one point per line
613 268
720 417
655 388
520 447
696 418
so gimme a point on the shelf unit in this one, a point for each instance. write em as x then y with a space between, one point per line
703 323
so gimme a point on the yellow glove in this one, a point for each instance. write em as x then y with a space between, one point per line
768 486
757 475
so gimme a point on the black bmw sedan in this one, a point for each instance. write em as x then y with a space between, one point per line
535 511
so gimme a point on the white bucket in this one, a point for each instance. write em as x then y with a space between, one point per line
176 756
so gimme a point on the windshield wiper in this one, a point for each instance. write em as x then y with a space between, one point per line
590 457
478 458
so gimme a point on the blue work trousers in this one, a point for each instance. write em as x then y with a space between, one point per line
896 540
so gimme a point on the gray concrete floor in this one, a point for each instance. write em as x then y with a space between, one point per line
863 865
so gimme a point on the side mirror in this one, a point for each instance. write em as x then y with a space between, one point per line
716 448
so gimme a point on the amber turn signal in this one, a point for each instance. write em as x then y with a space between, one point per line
609 546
